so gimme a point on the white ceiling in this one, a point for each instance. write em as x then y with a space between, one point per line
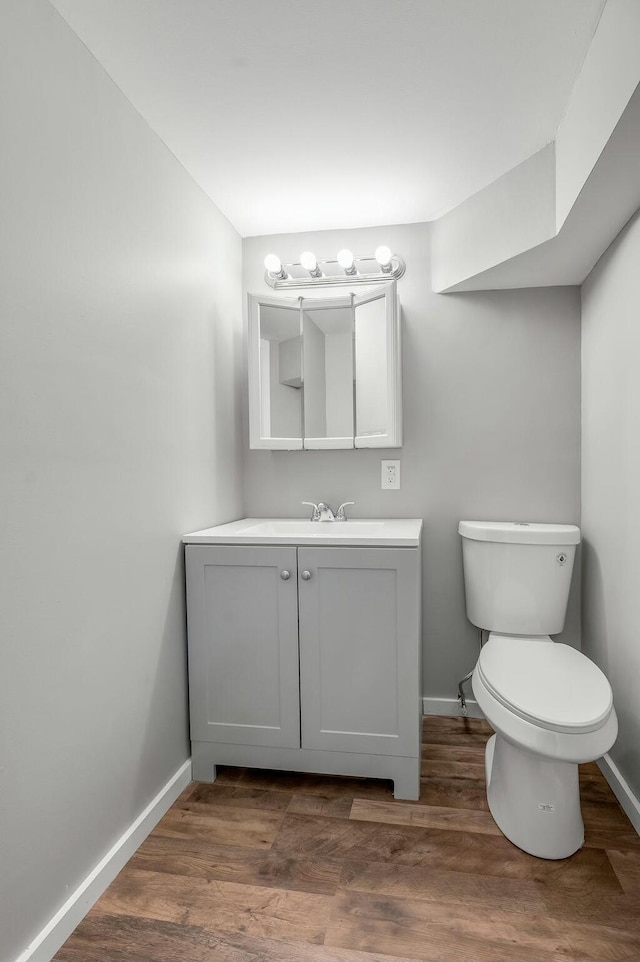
308 114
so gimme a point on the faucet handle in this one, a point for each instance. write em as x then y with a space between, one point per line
315 514
341 516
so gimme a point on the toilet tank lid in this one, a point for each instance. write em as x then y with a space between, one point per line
520 532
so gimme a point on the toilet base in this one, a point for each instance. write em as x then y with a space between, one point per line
534 801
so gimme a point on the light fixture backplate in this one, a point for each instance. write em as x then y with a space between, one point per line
398 268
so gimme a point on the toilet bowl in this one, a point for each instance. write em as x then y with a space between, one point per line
550 706
551 709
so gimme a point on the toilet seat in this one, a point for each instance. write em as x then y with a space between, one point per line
547 684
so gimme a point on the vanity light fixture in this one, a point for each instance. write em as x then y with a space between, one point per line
383 256
346 261
346 268
309 261
274 268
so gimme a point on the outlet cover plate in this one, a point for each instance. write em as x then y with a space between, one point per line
390 475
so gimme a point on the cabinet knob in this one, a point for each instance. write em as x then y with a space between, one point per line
285 575
305 575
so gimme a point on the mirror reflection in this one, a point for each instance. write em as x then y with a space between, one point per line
280 372
327 337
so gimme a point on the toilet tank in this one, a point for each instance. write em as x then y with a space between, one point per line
517 575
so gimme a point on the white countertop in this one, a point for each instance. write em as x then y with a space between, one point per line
374 532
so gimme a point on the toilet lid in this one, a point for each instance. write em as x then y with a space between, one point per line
549 684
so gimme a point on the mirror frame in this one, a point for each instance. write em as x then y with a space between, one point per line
393 436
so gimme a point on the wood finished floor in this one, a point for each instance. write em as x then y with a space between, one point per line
274 865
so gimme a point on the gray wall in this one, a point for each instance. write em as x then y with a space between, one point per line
120 329
611 483
491 427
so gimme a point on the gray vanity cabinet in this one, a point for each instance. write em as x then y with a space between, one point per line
305 659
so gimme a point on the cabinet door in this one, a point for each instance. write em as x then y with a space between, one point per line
243 645
378 369
275 373
359 612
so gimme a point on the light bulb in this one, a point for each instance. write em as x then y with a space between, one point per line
383 256
273 264
309 261
345 259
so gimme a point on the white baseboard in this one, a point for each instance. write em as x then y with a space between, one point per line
450 706
59 928
621 789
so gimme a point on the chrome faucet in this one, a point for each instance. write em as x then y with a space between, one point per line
341 516
324 512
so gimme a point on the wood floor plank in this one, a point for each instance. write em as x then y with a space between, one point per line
626 865
419 882
451 730
432 930
490 855
469 754
226 825
590 769
132 939
242 865
454 792
451 766
206 795
186 794
492 894
594 788
219 907
607 826
425 816
329 805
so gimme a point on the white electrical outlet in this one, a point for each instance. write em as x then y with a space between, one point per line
390 475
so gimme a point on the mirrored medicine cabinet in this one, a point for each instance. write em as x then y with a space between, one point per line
325 370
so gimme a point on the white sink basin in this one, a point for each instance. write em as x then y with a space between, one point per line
389 532
316 529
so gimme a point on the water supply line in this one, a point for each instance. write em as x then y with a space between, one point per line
461 696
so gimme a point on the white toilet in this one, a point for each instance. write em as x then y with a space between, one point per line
551 707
